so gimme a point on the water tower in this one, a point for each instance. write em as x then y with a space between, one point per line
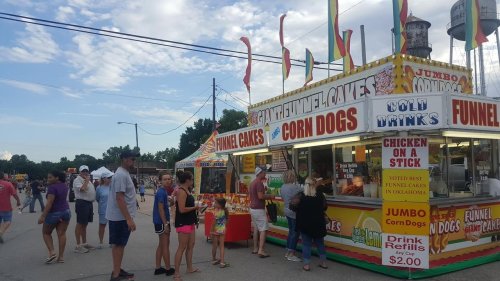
417 38
489 24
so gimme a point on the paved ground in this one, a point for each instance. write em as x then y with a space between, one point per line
22 256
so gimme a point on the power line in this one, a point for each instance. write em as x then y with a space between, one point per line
102 32
187 120
235 98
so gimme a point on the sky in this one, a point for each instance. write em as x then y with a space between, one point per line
62 92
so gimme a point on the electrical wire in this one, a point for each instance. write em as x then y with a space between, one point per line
102 32
235 98
171 130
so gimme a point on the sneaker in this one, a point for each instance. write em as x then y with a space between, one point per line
160 271
88 247
80 250
100 246
127 275
294 258
170 271
119 278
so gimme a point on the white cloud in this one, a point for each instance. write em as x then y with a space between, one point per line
5 155
31 87
35 45
163 115
84 114
64 13
22 121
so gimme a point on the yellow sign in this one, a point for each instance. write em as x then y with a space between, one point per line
405 218
405 185
248 162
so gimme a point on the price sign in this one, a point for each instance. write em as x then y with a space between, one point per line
410 251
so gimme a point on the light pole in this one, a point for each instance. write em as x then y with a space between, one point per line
136 145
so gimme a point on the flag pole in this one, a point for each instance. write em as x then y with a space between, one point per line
481 71
328 69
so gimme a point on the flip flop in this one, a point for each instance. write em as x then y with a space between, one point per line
306 268
215 262
50 259
194 270
177 278
60 261
224 265
263 256
254 253
323 266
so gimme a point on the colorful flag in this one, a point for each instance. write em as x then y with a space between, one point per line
248 72
336 48
474 35
285 62
309 66
348 64
285 53
282 41
400 13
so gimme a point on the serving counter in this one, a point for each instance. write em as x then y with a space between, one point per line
238 227
464 232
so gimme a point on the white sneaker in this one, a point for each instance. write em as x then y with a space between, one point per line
294 258
100 246
80 250
89 247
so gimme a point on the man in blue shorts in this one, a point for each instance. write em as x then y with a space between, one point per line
120 213
6 191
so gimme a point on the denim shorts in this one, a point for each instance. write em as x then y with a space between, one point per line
118 233
57 217
102 219
6 216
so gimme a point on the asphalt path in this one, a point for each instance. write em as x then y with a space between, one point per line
23 253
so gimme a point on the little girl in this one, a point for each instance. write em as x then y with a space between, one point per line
218 231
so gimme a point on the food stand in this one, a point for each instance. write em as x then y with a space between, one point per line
208 168
409 158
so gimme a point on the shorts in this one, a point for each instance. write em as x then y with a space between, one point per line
259 219
142 194
186 229
118 233
6 216
57 217
84 211
102 219
160 229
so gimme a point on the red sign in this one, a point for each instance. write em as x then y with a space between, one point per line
240 140
339 121
474 112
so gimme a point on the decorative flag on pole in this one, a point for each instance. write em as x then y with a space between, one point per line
285 53
474 35
309 66
400 13
336 48
285 63
248 73
348 64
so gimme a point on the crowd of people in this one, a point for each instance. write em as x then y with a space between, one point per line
173 205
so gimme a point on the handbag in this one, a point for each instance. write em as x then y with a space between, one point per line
272 211
295 202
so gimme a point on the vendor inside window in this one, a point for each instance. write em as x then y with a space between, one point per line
322 167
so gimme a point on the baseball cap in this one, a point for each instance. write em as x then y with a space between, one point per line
258 170
128 154
83 167
107 174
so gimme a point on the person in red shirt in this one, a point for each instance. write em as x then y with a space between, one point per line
6 191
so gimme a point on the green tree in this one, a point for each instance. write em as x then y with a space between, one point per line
112 155
167 156
232 120
194 136
148 157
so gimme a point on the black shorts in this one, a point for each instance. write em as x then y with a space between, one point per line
160 229
84 211
118 233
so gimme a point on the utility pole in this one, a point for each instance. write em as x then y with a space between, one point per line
213 103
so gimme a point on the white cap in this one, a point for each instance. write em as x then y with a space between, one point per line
107 174
83 167
258 170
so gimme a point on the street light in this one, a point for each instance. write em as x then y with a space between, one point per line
136 145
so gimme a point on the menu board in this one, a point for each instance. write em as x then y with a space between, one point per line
279 161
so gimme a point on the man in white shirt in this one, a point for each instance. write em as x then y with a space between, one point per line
84 195
120 213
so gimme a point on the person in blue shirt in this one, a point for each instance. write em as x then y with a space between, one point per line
161 221
101 196
142 191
